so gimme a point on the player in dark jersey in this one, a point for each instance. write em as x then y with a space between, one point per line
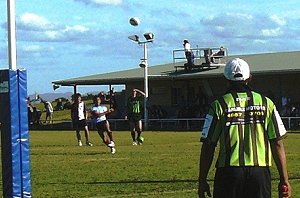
134 115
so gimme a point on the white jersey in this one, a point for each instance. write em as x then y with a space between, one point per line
99 109
81 111
49 107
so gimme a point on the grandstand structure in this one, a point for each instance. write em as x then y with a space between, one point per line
274 74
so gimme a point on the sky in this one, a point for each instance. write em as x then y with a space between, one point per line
61 39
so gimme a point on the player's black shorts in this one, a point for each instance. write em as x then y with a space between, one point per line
79 124
102 126
134 117
246 182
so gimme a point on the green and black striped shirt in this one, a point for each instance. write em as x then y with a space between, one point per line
243 123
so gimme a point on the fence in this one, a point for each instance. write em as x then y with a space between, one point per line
291 123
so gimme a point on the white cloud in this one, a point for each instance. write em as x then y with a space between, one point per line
33 21
53 35
34 50
247 26
76 28
272 32
102 2
259 41
278 20
33 27
31 48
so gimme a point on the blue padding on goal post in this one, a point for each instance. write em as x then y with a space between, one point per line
14 134
24 134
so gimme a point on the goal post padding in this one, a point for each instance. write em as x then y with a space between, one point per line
14 134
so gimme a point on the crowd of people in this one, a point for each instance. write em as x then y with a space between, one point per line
35 114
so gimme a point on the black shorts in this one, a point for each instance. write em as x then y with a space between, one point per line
102 126
246 182
79 124
135 117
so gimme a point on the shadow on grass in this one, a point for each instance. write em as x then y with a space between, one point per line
131 182
149 181
146 181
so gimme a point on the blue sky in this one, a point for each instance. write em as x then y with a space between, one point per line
60 39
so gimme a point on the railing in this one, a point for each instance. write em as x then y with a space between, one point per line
291 123
203 57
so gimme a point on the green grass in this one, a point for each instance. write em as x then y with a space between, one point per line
165 166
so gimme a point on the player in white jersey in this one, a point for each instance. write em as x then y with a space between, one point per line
99 118
79 119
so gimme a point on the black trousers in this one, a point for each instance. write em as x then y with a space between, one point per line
242 182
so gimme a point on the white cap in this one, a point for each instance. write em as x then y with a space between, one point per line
237 70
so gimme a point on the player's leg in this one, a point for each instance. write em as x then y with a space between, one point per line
77 131
110 136
109 133
101 134
132 132
86 133
46 118
139 131
78 136
75 127
51 118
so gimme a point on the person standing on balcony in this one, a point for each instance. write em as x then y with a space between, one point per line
188 54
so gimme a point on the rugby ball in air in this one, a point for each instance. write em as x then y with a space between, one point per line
134 21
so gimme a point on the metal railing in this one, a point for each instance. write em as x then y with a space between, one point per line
202 57
291 123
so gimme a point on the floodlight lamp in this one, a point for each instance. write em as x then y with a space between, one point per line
134 38
149 36
143 64
55 87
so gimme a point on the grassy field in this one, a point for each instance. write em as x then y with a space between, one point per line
165 166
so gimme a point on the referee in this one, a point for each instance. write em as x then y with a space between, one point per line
249 131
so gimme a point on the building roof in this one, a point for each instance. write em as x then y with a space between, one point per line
260 64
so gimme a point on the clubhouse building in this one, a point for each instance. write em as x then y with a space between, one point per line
171 87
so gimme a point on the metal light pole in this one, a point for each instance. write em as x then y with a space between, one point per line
144 64
146 86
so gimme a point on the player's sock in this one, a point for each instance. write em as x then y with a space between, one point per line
133 136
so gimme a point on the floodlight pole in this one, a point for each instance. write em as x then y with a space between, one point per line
11 27
149 38
146 85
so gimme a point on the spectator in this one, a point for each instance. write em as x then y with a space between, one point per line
189 55
218 55
59 105
36 116
67 104
49 111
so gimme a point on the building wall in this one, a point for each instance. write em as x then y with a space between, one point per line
175 94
